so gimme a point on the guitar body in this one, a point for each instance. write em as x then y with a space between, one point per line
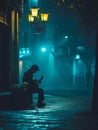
36 82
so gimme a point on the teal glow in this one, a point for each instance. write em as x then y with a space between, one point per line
43 49
33 3
24 52
77 57
66 37
20 52
28 51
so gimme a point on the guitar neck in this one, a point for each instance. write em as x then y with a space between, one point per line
40 79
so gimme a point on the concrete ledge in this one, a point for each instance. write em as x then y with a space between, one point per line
5 99
15 99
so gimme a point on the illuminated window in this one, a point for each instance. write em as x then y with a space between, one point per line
24 52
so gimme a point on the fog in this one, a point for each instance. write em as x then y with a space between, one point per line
64 37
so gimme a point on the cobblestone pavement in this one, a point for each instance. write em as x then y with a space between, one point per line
69 112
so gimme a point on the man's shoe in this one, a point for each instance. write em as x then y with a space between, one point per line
41 105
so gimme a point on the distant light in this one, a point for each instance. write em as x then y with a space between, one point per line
20 52
43 49
66 37
28 51
80 47
20 56
24 52
77 57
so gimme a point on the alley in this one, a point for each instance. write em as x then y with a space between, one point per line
70 111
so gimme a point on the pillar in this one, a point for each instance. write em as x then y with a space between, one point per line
9 63
14 48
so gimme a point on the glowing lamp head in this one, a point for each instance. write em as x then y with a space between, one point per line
34 12
30 18
44 17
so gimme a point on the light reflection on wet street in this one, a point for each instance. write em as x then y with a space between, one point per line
60 113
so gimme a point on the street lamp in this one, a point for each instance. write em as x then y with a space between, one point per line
34 16
38 20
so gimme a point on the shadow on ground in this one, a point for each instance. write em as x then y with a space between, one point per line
64 111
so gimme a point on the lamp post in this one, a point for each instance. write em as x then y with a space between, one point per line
35 15
38 19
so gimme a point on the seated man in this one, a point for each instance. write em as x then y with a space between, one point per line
33 84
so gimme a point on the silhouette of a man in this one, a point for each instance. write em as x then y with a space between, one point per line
34 84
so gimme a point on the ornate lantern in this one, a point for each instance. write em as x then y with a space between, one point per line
34 12
44 17
30 18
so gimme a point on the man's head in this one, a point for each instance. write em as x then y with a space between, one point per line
34 68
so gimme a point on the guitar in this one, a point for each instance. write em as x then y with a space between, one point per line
36 82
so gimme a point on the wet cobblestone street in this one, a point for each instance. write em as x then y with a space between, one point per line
60 113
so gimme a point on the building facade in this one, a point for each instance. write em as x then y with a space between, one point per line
10 13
